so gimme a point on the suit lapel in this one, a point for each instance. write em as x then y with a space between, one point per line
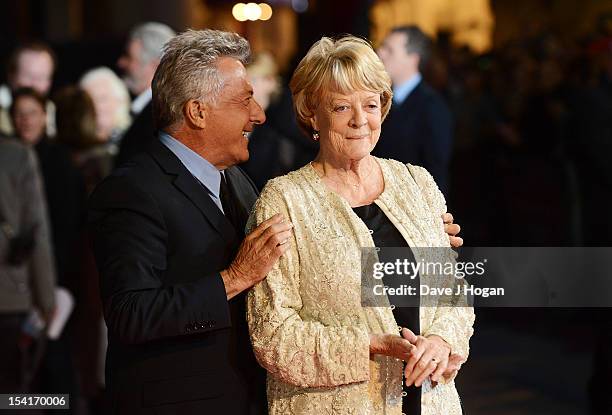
192 189
244 191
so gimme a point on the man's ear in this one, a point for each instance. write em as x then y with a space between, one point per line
195 113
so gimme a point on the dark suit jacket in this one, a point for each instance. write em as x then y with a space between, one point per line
138 137
176 345
66 202
419 131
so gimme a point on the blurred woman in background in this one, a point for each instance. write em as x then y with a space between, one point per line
77 129
65 196
111 101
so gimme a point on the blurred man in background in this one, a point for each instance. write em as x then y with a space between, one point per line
139 62
418 129
30 66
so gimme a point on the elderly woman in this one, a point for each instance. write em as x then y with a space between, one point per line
111 101
325 353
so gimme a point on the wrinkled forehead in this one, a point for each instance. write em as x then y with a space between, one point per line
232 73
229 68
333 94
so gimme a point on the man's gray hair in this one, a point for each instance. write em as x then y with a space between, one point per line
188 70
416 42
153 36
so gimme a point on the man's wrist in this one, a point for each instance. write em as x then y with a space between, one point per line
233 285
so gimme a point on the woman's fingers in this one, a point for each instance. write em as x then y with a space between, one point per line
409 335
416 355
425 365
431 368
440 370
454 362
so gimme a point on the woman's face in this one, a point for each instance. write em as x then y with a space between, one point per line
30 120
348 124
106 104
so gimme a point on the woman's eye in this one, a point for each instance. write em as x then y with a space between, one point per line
341 108
372 106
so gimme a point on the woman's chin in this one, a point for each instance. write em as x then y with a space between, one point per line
358 154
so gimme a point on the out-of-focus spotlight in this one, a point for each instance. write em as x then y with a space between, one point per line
238 12
266 11
252 11
300 6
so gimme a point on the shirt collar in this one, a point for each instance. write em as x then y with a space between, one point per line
141 101
198 166
401 92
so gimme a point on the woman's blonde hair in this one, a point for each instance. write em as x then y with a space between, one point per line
342 65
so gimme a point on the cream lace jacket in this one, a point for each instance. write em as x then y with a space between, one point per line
307 325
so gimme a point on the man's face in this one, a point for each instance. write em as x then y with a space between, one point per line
29 119
233 116
137 73
34 70
398 62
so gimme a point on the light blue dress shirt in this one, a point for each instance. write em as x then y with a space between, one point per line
401 92
198 166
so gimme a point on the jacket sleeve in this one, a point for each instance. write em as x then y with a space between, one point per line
302 353
454 317
41 264
130 245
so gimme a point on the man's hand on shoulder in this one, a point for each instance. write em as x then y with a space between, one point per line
452 230
257 255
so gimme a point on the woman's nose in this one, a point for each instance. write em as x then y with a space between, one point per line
359 118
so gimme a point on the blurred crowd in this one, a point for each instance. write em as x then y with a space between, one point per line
532 137
525 154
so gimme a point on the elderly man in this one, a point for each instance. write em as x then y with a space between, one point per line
170 246
418 129
167 231
138 63
30 65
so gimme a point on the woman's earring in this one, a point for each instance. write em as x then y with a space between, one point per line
315 135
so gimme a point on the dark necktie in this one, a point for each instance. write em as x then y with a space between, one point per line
229 203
